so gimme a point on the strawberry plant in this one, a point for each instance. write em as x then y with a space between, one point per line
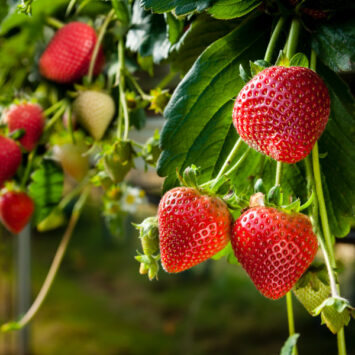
257 150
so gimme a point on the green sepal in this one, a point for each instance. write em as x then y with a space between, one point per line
259 186
235 202
299 60
148 265
243 74
275 196
289 345
294 206
189 176
257 66
228 253
282 59
337 303
17 134
149 235
151 150
118 160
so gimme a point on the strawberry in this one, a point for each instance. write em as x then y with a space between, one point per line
274 247
67 57
192 228
16 209
28 117
282 112
94 111
10 159
73 159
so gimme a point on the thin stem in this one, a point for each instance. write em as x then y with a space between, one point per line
137 86
28 168
54 267
121 86
230 157
54 119
74 192
98 44
313 61
70 7
291 322
167 79
322 207
273 39
293 38
53 108
54 22
238 163
278 173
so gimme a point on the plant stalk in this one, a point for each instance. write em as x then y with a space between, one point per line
290 317
98 44
54 267
273 40
293 38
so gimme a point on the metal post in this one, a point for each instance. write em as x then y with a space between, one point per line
24 285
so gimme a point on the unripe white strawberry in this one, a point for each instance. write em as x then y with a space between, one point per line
94 111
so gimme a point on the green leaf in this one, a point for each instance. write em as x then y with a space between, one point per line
228 9
335 45
201 33
227 253
289 344
339 165
199 113
175 27
122 11
46 189
148 35
181 7
299 60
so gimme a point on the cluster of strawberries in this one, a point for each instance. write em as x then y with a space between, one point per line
281 112
65 60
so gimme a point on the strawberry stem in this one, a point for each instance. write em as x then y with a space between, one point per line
328 250
291 322
98 44
278 173
137 86
54 267
28 168
238 163
293 38
53 108
51 21
230 157
274 37
121 86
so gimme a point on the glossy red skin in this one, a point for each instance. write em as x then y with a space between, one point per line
16 209
29 117
67 57
10 159
192 228
274 247
282 112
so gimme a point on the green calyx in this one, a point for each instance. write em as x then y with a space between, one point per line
149 236
118 160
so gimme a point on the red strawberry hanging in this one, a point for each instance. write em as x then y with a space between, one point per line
282 112
16 209
28 117
274 247
192 228
10 159
67 57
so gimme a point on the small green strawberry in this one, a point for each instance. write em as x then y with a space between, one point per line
118 160
94 111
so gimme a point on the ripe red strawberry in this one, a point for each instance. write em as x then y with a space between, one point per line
282 112
67 57
94 110
274 247
192 228
10 159
16 209
29 117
